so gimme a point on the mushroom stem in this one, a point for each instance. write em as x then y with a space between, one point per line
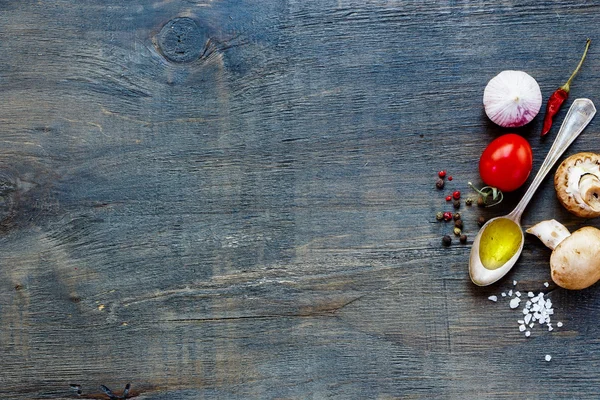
550 232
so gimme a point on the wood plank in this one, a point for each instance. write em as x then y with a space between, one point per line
253 215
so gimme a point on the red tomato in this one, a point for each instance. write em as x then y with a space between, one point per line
506 162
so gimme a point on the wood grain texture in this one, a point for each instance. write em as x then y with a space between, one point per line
257 219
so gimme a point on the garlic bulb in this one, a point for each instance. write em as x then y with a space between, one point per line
577 184
512 99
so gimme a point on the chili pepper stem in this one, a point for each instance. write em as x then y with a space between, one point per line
566 87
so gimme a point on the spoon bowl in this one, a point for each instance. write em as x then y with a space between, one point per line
499 243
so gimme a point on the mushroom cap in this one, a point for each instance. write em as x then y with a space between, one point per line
575 263
577 184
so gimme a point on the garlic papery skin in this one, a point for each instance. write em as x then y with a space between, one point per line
577 184
512 99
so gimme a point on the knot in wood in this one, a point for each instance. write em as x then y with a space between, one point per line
181 40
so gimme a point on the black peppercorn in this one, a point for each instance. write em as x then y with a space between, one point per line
469 201
446 240
439 216
481 221
457 204
439 183
463 239
458 223
481 201
456 216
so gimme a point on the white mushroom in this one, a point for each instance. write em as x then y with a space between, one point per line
575 261
577 184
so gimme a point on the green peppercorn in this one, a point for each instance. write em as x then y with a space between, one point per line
457 204
439 216
463 239
481 221
439 183
457 231
446 240
458 223
469 201
456 216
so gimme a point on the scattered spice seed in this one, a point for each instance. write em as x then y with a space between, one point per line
458 223
481 221
449 198
469 201
447 216
457 231
480 201
463 239
446 240
439 216
456 216
456 204
456 194
450 178
442 174
439 183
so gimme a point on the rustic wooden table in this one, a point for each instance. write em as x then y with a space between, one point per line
235 200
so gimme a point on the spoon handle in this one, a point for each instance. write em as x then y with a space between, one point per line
579 116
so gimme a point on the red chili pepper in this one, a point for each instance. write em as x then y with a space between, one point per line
560 95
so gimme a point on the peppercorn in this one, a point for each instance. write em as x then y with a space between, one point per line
449 197
450 178
456 204
446 240
481 221
439 183
458 223
469 201
439 216
481 201
463 239
456 194
447 216
442 174
456 216
457 231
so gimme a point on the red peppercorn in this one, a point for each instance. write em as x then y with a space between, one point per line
447 216
448 198
450 178
442 174
456 194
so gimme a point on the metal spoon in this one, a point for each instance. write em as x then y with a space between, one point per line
499 242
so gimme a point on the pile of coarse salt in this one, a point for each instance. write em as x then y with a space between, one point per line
537 309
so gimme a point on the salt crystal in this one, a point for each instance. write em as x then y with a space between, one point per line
548 357
522 328
546 284
527 333
510 292
525 312
520 321
559 324
518 294
503 294
493 298
531 325
535 308
514 283
514 303
530 294
528 303
527 318
548 303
